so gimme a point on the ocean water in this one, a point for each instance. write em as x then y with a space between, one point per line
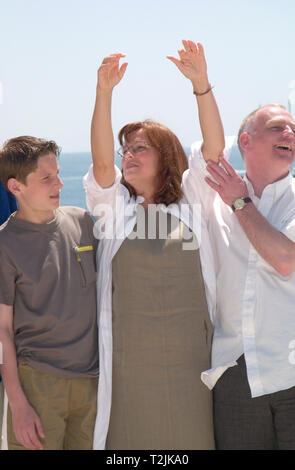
73 166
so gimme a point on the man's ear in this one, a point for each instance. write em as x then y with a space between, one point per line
245 140
14 186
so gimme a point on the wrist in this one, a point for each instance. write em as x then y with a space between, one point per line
15 394
18 403
200 84
240 203
103 92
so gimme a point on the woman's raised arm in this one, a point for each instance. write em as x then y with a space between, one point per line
109 75
192 64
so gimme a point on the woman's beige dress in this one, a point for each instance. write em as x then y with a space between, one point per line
161 344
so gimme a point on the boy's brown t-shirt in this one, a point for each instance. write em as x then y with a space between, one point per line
47 272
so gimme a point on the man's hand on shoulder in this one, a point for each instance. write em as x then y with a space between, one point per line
228 183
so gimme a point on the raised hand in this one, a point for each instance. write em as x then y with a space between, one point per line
110 73
191 62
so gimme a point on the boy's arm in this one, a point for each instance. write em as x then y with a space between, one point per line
25 420
102 139
192 64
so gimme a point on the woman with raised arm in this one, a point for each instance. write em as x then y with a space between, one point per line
156 293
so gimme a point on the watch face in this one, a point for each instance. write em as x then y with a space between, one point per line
239 203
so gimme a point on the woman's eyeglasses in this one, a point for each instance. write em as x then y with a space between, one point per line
134 149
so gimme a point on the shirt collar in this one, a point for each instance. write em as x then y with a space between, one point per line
138 199
275 189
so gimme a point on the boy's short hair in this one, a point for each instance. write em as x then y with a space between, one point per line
19 156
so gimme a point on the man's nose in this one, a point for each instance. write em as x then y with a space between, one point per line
289 130
59 182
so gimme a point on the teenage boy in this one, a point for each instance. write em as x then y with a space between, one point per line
48 326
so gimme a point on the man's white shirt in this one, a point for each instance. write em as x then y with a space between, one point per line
255 304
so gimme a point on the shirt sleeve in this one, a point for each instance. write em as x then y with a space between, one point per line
105 204
95 194
8 277
289 230
195 187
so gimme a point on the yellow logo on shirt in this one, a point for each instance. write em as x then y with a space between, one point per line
81 249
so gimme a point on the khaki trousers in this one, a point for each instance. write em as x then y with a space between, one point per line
66 408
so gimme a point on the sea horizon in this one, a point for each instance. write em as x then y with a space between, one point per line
74 165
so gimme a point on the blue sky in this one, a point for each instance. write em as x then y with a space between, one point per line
50 52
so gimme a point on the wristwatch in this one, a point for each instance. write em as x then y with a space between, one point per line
240 203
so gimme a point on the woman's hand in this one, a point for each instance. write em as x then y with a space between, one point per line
110 73
192 64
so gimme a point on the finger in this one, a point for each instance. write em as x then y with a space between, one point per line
219 168
218 173
123 69
228 167
177 62
33 444
113 58
193 46
33 438
200 48
25 440
186 45
39 428
213 185
173 59
109 62
19 437
118 54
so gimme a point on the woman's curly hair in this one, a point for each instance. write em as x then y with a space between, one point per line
173 160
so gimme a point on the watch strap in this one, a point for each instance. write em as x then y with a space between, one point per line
245 199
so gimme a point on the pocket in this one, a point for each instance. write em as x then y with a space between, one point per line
85 258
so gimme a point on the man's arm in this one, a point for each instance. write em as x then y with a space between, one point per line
102 139
272 245
26 422
192 64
